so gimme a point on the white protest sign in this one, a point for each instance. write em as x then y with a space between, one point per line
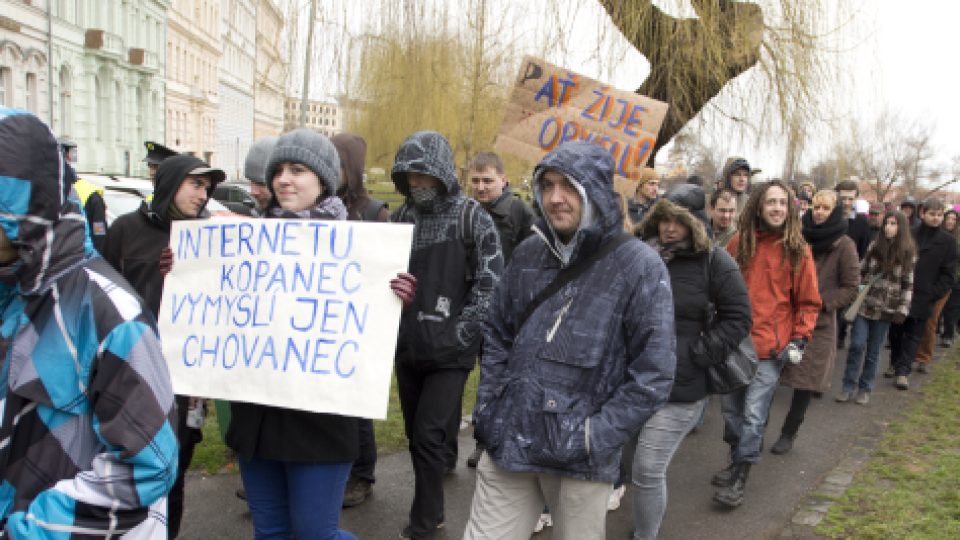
289 313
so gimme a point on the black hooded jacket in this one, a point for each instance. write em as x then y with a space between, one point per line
134 240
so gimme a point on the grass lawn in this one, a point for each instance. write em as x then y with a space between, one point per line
911 487
212 456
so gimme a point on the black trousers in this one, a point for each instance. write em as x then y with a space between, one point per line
430 400
951 314
798 409
365 465
904 342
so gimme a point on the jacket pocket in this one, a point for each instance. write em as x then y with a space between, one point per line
435 338
488 420
560 430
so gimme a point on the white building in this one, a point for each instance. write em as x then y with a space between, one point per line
323 116
237 73
98 80
192 77
271 76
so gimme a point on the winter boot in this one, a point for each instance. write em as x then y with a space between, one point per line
783 445
725 477
732 495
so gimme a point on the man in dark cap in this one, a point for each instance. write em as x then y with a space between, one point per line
156 153
91 196
255 169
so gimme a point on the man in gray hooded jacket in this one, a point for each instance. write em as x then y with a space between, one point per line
561 392
457 261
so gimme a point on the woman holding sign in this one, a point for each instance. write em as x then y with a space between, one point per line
295 464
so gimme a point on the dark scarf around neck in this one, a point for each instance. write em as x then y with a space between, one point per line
822 237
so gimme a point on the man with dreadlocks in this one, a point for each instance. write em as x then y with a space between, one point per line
782 283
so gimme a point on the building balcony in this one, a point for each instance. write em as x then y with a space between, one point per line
143 58
104 42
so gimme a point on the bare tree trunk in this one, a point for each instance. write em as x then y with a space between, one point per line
307 61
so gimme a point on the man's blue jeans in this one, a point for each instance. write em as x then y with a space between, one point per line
867 335
295 500
745 412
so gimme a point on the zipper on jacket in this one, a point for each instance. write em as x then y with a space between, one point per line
556 324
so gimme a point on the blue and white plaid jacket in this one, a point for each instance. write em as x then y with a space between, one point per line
87 445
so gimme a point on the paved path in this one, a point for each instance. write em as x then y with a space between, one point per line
776 490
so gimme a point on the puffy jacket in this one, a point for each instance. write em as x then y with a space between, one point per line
697 278
785 301
88 444
565 391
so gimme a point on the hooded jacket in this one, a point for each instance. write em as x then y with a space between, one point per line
353 154
456 259
565 391
698 279
729 168
513 219
785 301
88 448
135 240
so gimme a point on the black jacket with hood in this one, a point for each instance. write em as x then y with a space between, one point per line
513 218
135 240
696 280
935 270
456 259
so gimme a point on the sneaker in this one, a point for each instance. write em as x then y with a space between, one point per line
241 493
890 372
614 501
863 398
544 521
474 458
947 343
902 383
356 492
844 396
407 533
921 367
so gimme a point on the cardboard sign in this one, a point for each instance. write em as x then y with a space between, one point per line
289 313
550 105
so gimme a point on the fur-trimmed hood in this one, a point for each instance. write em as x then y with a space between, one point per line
666 209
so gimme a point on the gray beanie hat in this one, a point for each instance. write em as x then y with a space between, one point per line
255 166
310 148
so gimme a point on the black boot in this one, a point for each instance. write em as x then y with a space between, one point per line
732 495
783 445
725 477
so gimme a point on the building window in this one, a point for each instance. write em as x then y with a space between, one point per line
118 91
32 100
6 92
66 106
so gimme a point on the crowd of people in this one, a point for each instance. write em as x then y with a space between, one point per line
597 332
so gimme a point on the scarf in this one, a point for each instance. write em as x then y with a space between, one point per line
326 208
669 251
822 237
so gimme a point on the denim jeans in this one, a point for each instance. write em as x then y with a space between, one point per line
745 412
295 500
658 441
867 335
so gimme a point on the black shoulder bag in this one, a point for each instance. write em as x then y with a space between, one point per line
736 371
569 274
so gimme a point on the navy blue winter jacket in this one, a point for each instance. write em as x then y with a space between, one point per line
563 393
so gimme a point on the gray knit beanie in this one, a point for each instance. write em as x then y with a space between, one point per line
255 166
310 148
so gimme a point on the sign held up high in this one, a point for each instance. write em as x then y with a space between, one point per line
550 105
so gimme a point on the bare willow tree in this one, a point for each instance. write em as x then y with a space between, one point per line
693 59
894 153
423 70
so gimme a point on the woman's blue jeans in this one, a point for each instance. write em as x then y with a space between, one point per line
295 500
658 441
867 336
